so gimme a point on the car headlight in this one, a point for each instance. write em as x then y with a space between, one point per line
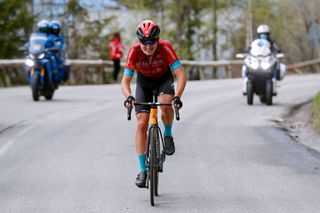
29 62
41 56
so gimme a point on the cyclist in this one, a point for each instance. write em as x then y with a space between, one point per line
155 61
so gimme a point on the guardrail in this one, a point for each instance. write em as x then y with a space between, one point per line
200 66
99 62
106 63
296 66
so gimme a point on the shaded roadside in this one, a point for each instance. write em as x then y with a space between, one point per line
298 124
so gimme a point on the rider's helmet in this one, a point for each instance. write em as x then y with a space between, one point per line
263 31
55 27
148 32
43 26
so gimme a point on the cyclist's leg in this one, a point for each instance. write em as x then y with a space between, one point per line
141 146
166 93
167 113
141 133
142 95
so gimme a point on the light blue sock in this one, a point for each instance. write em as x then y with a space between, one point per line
167 130
142 162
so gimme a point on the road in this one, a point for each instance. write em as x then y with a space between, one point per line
76 153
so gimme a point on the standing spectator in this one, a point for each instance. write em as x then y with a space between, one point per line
116 53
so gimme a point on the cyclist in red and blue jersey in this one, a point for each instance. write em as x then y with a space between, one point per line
154 60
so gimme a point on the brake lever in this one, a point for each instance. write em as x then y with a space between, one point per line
129 113
176 110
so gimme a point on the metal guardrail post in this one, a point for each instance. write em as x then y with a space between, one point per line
201 73
228 71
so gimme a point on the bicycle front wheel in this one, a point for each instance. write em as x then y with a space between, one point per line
152 167
157 165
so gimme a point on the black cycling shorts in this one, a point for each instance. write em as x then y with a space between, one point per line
145 87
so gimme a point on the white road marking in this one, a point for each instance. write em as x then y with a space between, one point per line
6 147
10 143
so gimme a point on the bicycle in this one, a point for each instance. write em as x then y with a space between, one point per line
155 155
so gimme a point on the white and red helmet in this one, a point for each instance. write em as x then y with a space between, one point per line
148 30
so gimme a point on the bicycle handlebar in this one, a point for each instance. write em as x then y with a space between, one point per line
176 110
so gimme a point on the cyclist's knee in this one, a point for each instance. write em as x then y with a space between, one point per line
143 119
166 109
143 126
165 98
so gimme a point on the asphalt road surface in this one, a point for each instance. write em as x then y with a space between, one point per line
76 153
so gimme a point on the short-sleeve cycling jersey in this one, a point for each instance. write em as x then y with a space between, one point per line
163 57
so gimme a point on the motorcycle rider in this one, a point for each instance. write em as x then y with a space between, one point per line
58 39
44 27
264 33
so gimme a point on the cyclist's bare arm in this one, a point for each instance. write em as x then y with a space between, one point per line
125 85
181 80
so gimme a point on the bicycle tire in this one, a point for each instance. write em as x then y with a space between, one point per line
156 180
152 151
156 172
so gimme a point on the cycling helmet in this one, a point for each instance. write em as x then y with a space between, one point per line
43 26
148 31
55 27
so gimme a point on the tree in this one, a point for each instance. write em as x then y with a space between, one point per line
16 21
85 36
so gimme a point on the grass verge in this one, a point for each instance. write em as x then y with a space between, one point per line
315 105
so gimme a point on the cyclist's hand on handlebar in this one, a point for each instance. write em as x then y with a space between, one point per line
177 102
128 103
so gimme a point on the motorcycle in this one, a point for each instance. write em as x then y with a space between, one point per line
40 66
260 71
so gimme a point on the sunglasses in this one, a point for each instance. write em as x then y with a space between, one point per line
148 42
